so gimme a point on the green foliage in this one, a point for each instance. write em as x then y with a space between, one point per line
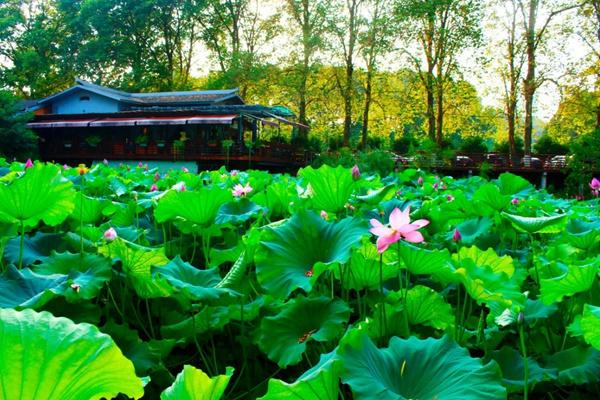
16 140
547 145
474 144
193 384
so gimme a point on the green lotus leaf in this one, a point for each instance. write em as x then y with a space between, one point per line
488 198
198 208
331 187
590 325
378 195
289 251
26 289
35 248
471 229
321 382
417 369
535 310
422 261
577 277
236 273
284 336
489 279
425 306
237 212
146 356
513 184
86 273
512 366
363 269
53 358
193 384
553 224
89 209
137 262
583 235
576 366
121 214
40 194
192 283
277 198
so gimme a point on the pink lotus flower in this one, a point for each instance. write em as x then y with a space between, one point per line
449 198
234 172
457 237
28 163
436 185
153 188
110 235
515 201
105 161
140 165
239 190
355 172
399 227
420 181
184 169
66 167
324 215
595 186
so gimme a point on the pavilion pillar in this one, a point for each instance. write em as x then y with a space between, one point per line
254 130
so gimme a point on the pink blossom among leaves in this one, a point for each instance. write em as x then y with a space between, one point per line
239 190
399 227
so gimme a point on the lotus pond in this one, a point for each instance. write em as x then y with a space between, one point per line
125 282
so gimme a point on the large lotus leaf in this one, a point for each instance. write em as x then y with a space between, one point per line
535 310
488 198
35 248
513 368
577 277
237 212
137 262
583 235
590 325
193 283
471 229
331 187
513 184
553 224
55 359
417 369
422 261
193 207
378 195
193 384
40 194
26 289
89 209
284 336
121 214
425 306
363 269
489 278
288 252
86 273
576 366
321 382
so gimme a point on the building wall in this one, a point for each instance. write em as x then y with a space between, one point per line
76 103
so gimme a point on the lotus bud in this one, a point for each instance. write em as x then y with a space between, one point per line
153 188
355 172
457 237
449 198
515 201
110 235
594 184
184 169
28 163
324 215
65 167
105 162
420 181
156 177
140 165
75 287
436 185
234 172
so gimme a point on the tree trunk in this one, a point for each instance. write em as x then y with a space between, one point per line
368 91
530 84
430 106
440 106
510 116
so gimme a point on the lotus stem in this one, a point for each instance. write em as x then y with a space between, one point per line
21 244
525 361
149 318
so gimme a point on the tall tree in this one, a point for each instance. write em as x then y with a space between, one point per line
442 29
534 34
309 18
345 26
375 42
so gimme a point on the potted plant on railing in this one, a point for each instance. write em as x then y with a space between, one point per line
227 143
